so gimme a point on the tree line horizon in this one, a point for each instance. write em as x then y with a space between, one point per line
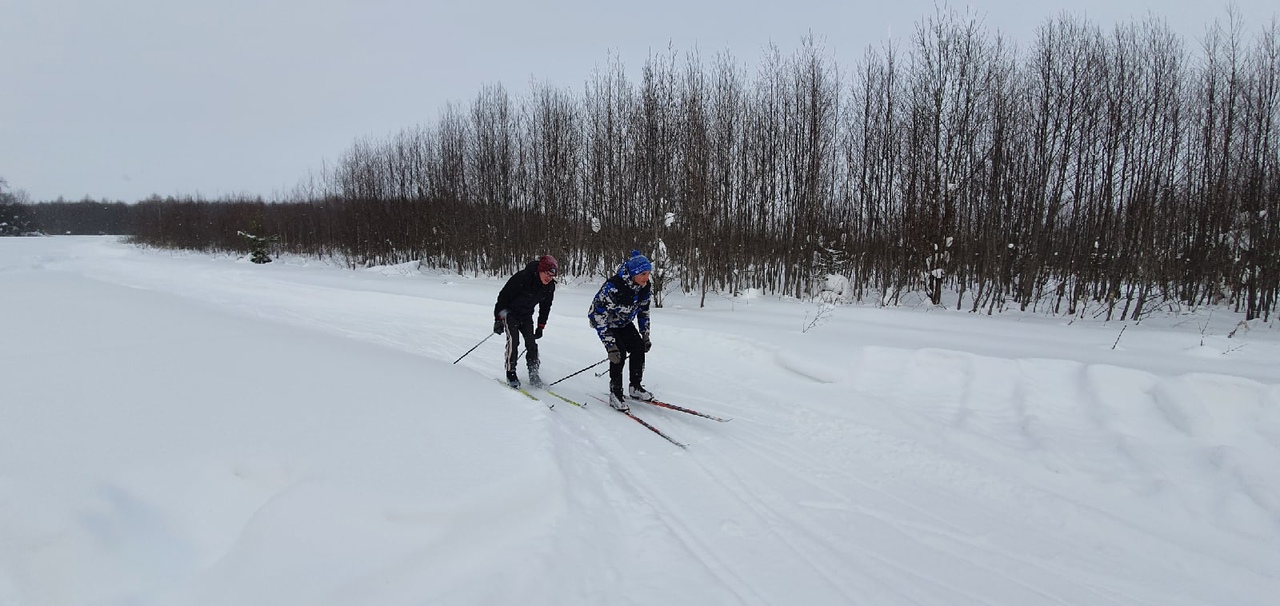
1120 171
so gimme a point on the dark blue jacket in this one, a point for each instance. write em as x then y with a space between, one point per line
619 302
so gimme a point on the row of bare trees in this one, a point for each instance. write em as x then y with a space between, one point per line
1117 170
85 217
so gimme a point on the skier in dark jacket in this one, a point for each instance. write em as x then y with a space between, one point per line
623 302
532 286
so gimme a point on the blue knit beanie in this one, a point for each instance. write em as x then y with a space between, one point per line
638 263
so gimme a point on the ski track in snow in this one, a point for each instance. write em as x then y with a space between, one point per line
861 471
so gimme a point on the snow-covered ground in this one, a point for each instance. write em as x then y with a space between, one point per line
189 429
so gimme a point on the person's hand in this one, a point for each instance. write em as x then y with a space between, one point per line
502 315
647 343
537 334
615 356
499 326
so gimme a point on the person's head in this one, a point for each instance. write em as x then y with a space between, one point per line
547 268
639 267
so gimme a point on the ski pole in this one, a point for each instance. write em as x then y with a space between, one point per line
474 348
580 371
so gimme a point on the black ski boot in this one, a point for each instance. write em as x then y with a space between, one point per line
535 379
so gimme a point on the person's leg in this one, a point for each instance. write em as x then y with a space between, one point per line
617 399
615 368
615 373
530 343
513 349
531 352
632 345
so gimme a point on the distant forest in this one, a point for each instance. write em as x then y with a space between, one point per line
1119 171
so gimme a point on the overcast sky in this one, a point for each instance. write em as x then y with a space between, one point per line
128 98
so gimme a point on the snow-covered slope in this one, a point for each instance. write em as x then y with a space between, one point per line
187 429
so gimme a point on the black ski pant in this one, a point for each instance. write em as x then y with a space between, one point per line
629 343
517 327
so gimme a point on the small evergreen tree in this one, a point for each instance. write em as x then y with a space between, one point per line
258 245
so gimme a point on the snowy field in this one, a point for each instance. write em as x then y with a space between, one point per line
188 429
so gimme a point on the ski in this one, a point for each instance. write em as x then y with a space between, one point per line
654 430
523 391
685 410
578 404
646 424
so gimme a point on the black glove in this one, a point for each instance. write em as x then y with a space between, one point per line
647 343
537 334
499 326
615 356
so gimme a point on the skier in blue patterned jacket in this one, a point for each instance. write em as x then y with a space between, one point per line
623 302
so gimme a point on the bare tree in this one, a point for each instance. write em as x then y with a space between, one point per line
1109 172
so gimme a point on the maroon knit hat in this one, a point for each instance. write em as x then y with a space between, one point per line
548 263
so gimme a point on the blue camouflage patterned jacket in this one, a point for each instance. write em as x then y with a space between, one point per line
619 302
